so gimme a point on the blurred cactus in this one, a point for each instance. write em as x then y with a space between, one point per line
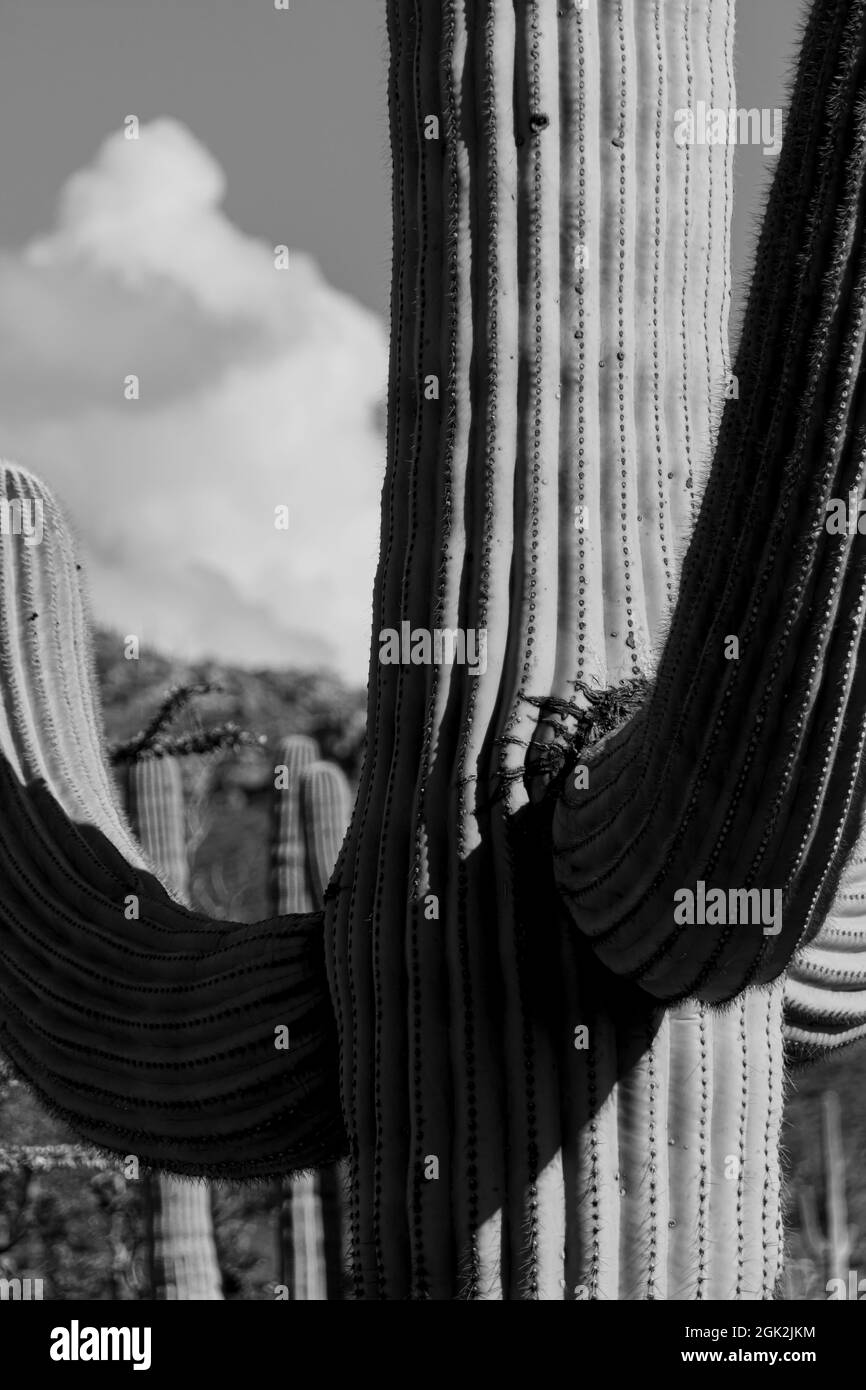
311 812
831 1251
325 809
183 1259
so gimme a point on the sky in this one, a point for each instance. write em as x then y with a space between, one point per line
258 387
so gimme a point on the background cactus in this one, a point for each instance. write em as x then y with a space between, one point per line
184 1257
523 1121
832 1251
311 812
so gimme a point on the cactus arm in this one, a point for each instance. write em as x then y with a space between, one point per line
50 719
825 987
151 1034
751 772
150 1030
155 1036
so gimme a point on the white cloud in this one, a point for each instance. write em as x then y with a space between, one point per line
258 387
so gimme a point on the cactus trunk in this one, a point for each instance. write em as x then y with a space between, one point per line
184 1258
562 267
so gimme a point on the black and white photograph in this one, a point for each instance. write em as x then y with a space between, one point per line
432 671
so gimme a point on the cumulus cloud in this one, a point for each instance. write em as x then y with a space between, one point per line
259 388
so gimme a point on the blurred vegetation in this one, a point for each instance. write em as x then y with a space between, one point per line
270 703
82 1232
844 1073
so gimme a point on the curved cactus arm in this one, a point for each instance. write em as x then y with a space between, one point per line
748 773
50 717
150 1029
825 987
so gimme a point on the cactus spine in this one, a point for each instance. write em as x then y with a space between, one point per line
522 1120
311 811
184 1257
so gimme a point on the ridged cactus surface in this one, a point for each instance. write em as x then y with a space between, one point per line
50 717
292 891
562 266
184 1256
825 987
325 809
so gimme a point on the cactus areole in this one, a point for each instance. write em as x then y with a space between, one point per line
595 884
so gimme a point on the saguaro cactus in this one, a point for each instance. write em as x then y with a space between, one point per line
551 1087
570 263
184 1258
311 812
